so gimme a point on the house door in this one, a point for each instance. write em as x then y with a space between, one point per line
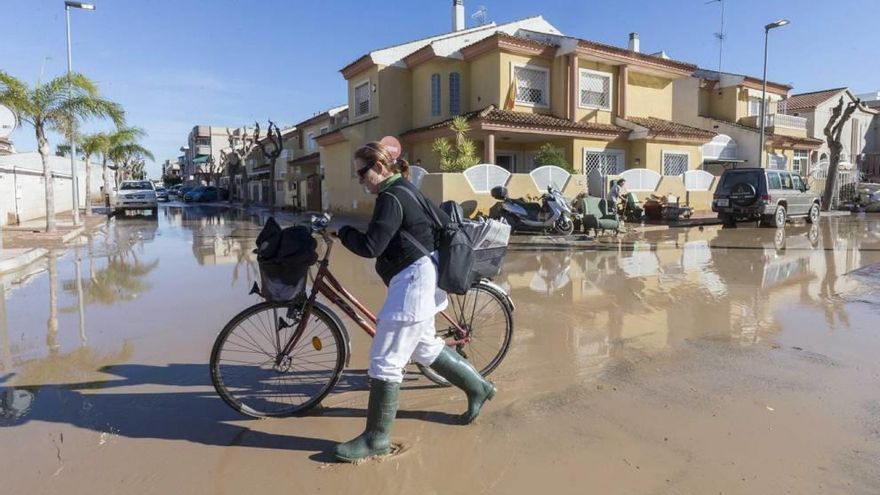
313 189
506 160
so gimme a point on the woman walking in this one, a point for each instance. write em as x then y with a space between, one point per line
405 329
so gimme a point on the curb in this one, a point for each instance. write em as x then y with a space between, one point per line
22 260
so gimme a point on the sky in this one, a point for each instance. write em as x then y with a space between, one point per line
174 64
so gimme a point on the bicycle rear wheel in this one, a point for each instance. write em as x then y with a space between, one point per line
484 313
247 375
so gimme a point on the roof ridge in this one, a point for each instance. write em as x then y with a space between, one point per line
820 91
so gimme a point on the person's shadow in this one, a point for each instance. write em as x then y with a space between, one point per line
197 415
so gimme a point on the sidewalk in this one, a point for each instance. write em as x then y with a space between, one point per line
31 235
16 259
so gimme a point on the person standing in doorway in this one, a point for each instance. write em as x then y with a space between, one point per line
405 329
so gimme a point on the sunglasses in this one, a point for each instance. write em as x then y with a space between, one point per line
361 172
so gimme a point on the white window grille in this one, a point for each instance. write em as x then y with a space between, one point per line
595 89
454 93
776 161
549 175
532 85
362 99
755 106
675 163
310 142
324 130
435 95
482 178
800 162
605 162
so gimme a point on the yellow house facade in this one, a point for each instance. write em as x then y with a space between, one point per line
519 85
304 169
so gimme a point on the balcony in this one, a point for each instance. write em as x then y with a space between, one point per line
779 123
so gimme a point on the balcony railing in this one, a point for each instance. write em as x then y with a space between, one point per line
777 120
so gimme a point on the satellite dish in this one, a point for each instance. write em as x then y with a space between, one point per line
7 121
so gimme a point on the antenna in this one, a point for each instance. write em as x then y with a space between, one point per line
720 36
481 15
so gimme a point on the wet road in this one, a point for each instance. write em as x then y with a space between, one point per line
685 361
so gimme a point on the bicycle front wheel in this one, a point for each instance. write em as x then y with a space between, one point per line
487 320
249 375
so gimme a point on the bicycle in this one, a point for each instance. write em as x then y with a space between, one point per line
283 358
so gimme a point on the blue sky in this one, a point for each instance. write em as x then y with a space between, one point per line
176 63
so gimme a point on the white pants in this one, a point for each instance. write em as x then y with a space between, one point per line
398 342
405 331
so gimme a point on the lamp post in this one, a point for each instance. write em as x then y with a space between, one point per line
767 28
73 179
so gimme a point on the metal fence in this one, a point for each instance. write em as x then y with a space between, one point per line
847 183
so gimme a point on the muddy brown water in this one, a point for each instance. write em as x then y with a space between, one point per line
687 361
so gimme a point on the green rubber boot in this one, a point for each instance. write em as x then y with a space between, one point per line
374 441
457 371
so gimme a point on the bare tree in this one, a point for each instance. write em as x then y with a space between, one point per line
273 136
210 171
833 130
240 145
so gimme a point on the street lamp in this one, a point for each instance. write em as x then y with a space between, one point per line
767 28
73 179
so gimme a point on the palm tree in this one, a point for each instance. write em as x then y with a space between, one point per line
91 145
125 151
50 106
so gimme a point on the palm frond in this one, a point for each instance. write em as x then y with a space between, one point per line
15 94
85 107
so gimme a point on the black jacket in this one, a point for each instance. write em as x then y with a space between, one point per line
395 210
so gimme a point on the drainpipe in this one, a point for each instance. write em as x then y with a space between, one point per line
622 77
572 86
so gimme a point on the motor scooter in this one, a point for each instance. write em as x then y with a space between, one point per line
552 214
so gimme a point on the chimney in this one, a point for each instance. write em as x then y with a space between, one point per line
457 15
634 42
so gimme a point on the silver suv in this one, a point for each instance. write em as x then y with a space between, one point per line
768 196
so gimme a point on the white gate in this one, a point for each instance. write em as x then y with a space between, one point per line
549 175
641 179
482 178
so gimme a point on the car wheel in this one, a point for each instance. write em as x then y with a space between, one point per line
778 218
728 220
813 215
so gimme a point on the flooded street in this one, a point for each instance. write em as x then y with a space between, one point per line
702 360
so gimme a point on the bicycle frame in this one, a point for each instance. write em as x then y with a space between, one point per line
329 286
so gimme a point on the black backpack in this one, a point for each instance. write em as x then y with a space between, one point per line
455 250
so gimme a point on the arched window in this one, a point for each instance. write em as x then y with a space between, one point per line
435 95
454 93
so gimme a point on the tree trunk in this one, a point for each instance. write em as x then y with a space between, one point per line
831 178
245 192
272 186
231 185
106 176
88 184
43 147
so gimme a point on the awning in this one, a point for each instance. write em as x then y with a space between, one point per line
202 159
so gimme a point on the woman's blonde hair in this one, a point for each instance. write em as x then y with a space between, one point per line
376 152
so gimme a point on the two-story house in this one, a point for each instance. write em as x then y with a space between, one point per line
861 133
304 158
201 162
519 85
730 105
267 179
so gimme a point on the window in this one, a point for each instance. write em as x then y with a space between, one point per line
755 106
595 89
786 181
532 85
605 162
773 181
324 130
454 93
435 95
279 186
776 161
675 163
798 183
801 159
310 142
362 99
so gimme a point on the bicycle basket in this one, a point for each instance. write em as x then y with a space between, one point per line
284 257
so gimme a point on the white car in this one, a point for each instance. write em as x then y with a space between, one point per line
136 195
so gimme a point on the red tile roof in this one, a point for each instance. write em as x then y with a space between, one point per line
665 128
805 101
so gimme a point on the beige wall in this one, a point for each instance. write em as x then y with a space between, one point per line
649 96
445 187
485 81
598 115
421 89
395 100
654 155
724 104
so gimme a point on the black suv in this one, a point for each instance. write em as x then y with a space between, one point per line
768 196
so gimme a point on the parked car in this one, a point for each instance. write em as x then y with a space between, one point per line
202 194
768 196
136 195
161 194
181 193
174 190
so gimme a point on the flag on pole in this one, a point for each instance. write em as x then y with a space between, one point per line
510 101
